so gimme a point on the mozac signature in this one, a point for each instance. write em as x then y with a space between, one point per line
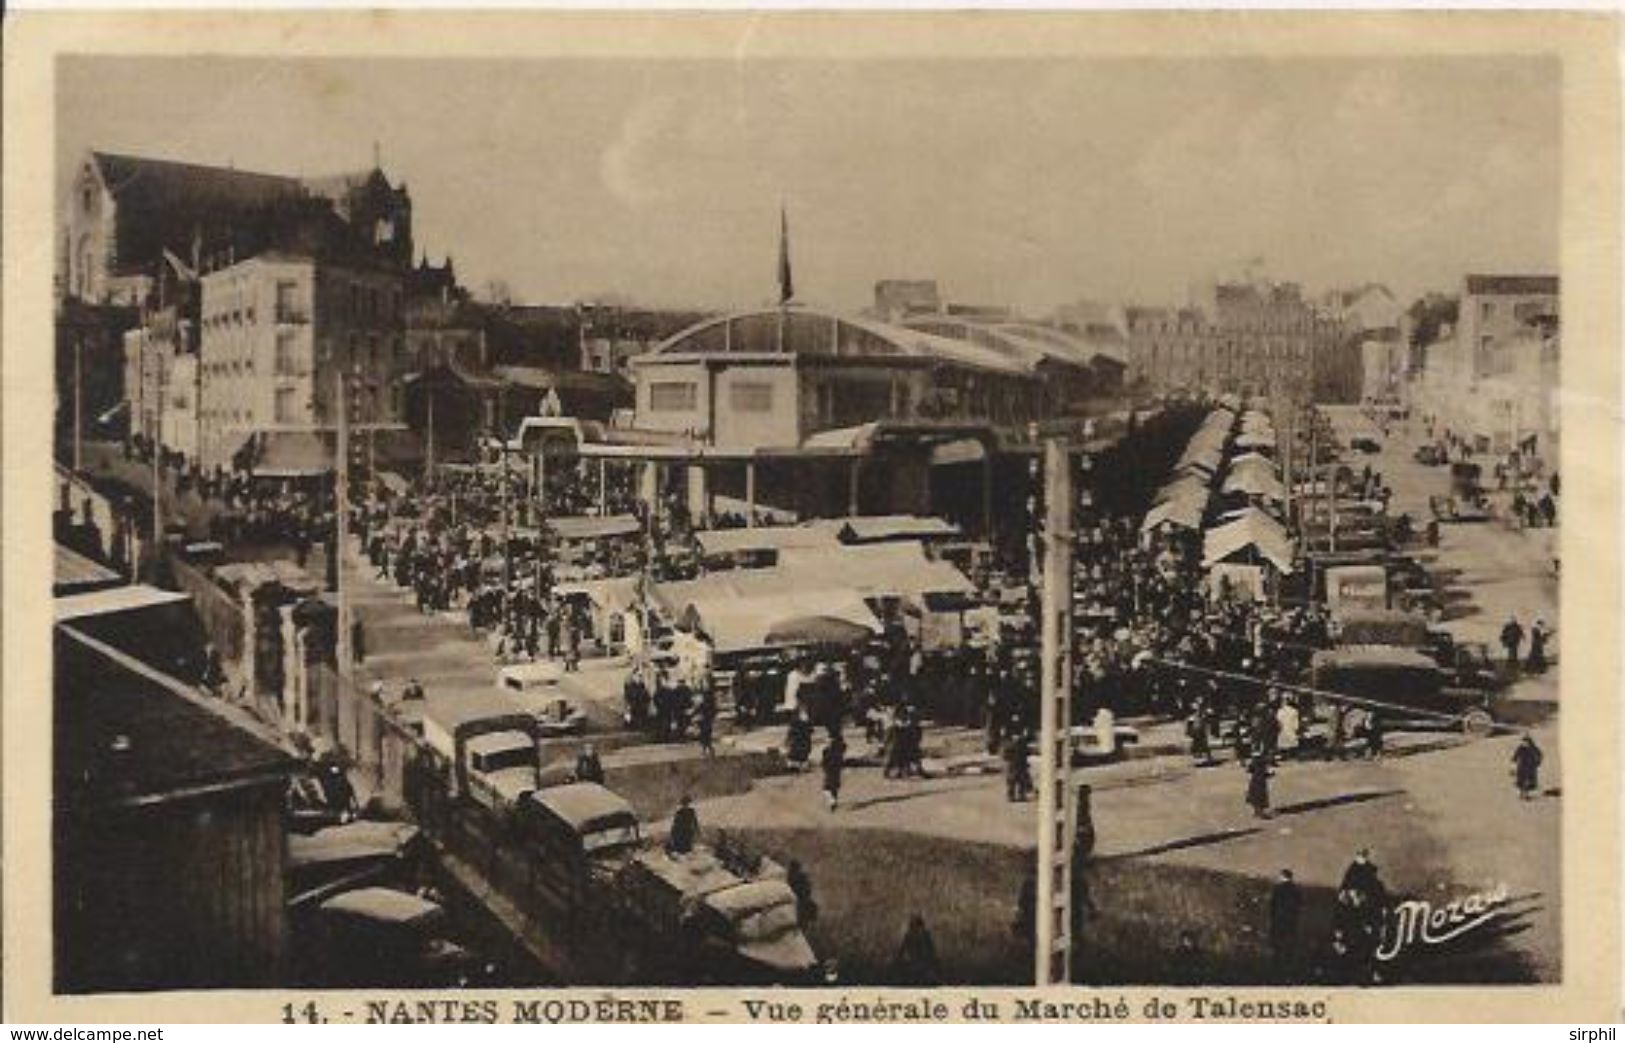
1419 922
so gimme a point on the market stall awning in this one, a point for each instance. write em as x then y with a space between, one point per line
290 454
879 527
590 527
1184 513
1185 487
1255 483
818 630
899 570
1254 531
715 542
743 624
616 594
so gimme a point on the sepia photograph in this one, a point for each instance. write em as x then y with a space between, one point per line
811 521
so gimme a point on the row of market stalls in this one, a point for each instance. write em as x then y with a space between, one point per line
834 582
816 595
1226 486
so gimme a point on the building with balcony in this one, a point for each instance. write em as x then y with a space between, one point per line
277 329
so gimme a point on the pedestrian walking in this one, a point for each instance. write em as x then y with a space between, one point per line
834 762
1526 760
916 962
1287 723
1512 640
358 641
1286 905
1258 785
1539 634
800 884
1017 774
1196 726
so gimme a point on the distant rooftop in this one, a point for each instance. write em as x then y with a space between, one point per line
1509 285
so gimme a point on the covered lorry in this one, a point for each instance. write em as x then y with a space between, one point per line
490 746
632 911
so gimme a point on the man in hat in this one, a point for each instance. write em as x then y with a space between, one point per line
1512 640
685 828
588 767
1286 903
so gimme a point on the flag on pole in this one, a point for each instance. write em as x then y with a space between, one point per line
787 289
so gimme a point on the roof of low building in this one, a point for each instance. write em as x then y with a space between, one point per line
126 733
77 574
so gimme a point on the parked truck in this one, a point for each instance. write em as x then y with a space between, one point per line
632 912
490 746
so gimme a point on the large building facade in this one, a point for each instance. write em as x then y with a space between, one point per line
1261 337
277 329
1494 375
779 376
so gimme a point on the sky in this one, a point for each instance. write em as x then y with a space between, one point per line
1030 183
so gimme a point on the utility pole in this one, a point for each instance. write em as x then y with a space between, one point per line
157 491
1056 798
341 528
78 401
507 548
429 453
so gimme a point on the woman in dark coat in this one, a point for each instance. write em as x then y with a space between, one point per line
1526 767
1539 634
834 761
1258 785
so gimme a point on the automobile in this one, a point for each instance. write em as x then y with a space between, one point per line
1365 444
536 687
1429 455
379 937
1458 509
1406 686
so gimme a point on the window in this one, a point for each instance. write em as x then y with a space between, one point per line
670 396
287 362
1486 311
287 301
753 397
286 405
